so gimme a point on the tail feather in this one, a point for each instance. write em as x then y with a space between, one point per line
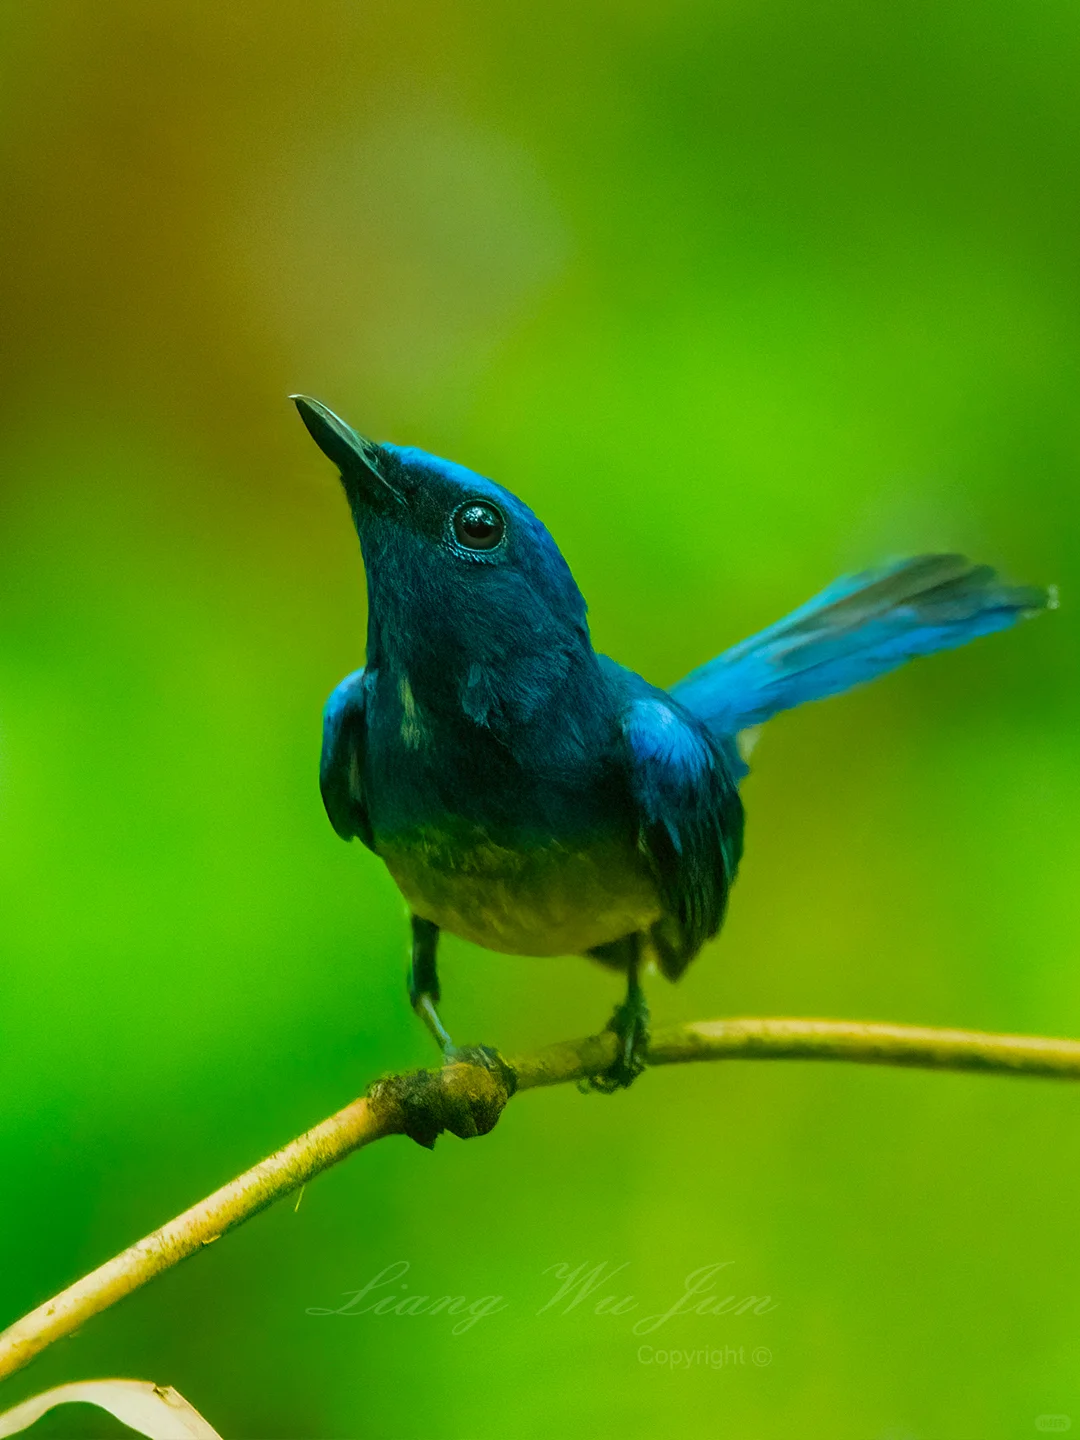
860 627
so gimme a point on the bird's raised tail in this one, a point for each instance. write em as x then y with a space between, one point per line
859 627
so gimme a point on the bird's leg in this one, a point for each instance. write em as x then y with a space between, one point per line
424 980
424 994
442 1100
630 1022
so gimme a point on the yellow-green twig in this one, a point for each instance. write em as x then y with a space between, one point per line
460 1092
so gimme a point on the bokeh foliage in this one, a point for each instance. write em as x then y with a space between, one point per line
737 296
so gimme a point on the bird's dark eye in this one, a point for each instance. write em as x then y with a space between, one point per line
478 525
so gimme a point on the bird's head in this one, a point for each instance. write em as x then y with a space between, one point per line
462 576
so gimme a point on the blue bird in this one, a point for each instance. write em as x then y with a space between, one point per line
535 797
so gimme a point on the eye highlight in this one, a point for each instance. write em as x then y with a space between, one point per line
478 525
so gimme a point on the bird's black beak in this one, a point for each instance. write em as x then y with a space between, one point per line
363 464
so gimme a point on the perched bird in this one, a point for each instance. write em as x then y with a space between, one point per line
535 797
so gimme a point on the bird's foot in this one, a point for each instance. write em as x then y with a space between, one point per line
630 1022
466 1096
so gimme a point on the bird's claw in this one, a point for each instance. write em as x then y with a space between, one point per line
630 1023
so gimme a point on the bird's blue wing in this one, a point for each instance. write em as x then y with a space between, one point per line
859 627
690 824
341 765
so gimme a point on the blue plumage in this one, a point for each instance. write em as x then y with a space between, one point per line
859 627
534 796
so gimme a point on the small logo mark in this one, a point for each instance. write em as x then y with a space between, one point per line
1053 1424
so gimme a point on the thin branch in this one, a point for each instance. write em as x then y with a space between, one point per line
468 1098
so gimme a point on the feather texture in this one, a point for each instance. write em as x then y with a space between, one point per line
342 760
690 825
860 627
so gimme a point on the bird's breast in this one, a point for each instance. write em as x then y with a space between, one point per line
543 898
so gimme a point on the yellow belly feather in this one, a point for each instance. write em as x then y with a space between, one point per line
555 900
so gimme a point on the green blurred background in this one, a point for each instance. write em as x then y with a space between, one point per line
737 296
